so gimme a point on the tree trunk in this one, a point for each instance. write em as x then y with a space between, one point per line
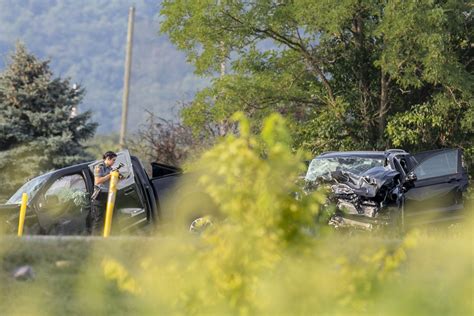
384 105
362 74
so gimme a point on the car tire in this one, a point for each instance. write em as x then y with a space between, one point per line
196 208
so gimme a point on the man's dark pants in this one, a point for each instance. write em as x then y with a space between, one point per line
98 213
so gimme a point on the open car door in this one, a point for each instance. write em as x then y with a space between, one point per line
130 211
436 194
62 204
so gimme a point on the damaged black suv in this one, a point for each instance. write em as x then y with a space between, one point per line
393 188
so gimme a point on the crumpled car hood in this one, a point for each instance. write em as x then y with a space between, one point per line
367 184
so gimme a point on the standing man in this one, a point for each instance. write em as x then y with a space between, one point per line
101 189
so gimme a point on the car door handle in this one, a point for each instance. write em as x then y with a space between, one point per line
128 191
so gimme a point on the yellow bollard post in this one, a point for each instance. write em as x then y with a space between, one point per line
109 210
21 221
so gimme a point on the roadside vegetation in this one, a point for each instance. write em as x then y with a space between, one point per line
425 274
268 256
347 75
296 78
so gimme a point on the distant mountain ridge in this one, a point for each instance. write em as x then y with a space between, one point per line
85 41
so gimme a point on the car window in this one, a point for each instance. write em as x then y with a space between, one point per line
441 164
30 188
68 189
73 183
403 164
322 167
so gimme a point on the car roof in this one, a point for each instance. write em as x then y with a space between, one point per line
364 154
76 167
72 168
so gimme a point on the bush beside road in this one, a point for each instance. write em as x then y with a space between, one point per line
423 274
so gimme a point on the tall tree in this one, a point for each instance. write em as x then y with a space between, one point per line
349 74
39 129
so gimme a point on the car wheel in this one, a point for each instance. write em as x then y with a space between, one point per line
196 212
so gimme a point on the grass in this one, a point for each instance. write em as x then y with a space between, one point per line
433 277
59 264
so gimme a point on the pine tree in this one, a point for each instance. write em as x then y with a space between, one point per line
39 130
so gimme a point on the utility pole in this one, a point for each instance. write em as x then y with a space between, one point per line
223 59
222 50
223 126
126 77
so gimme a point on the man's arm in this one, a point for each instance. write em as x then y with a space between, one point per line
99 176
100 180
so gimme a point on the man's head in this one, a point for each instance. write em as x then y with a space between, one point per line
109 158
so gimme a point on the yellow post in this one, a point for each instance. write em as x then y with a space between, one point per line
109 211
21 222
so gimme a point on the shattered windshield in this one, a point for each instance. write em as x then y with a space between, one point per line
30 188
322 167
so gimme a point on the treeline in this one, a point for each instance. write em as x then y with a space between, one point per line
347 75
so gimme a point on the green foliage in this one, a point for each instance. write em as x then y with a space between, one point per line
430 53
250 179
268 257
345 74
427 123
37 129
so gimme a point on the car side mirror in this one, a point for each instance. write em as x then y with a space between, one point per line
411 176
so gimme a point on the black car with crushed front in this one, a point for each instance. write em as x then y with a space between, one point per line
371 189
